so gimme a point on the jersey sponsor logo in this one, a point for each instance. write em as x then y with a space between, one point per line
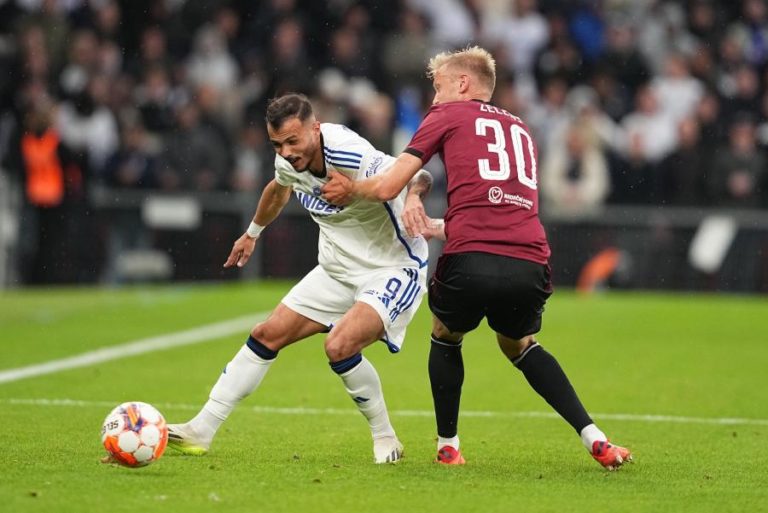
374 166
316 206
496 196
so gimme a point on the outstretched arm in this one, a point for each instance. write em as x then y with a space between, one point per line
271 203
340 190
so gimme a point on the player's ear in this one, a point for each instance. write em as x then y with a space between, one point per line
463 83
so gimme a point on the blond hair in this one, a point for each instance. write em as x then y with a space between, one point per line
473 59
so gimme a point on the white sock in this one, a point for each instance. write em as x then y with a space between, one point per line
453 442
364 387
590 435
240 377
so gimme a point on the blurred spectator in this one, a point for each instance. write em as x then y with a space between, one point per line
521 35
53 184
612 98
261 27
347 54
649 132
560 57
153 53
574 176
451 22
745 96
703 22
253 159
634 176
193 158
87 126
708 116
133 166
549 114
406 50
703 65
623 60
107 19
739 169
35 61
730 58
588 29
376 120
210 64
289 64
82 62
661 32
751 30
156 100
762 127
684 174
507 97
52 22
675 89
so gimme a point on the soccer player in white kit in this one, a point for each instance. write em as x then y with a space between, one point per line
367 286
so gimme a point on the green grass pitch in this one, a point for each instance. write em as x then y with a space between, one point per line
659 372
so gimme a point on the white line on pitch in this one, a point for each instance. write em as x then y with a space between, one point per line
407 413
137 347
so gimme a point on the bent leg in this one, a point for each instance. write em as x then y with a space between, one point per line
241 376
357 329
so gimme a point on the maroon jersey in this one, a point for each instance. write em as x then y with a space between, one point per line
490 165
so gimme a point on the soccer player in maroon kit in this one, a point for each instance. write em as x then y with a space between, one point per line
495 260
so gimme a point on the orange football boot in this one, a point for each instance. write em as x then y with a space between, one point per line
448 455
610 456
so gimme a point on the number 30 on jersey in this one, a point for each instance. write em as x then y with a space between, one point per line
499 147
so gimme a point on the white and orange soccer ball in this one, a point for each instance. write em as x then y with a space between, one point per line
134 434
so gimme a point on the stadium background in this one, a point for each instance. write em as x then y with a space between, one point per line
132 145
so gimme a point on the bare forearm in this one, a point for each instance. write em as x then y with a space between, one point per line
271 203
388 185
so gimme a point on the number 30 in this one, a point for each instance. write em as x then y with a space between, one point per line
499 148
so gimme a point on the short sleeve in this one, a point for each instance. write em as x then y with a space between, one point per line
375 163
430 135
352 154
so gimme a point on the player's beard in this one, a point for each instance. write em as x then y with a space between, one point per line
309 156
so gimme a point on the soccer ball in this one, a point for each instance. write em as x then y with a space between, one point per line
134 434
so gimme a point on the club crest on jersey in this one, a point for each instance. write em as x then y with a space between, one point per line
317 206
316 190
495 194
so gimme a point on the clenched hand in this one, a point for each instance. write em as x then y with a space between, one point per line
338 190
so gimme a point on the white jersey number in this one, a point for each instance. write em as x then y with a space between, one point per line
499 148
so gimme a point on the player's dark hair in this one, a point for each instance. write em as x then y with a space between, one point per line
291 105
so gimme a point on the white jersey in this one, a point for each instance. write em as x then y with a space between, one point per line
364 235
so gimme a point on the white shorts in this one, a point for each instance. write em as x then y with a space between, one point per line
394 293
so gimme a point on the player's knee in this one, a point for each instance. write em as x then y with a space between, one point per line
513 348
338 347
269 336
440 331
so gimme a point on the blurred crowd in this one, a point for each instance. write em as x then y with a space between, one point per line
631 101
